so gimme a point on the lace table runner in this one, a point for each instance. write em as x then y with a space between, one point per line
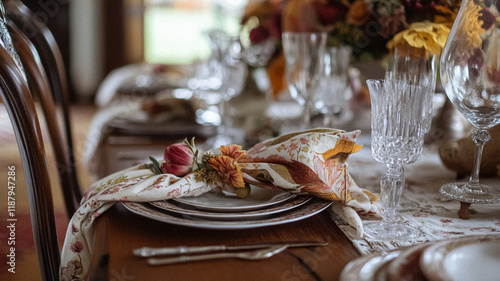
422 206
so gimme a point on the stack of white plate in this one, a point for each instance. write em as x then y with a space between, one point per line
263 207
465 258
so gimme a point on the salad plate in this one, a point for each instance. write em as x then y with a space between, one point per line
223 202
175 207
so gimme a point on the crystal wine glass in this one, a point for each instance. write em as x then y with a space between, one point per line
304 55
399 112
209 75
470 73
233 83
332 95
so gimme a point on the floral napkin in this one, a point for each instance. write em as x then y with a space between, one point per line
309 162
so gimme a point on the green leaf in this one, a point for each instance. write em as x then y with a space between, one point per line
154 166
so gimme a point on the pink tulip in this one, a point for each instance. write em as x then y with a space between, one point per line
179 160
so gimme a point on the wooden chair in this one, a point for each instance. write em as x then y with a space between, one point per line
43 62
21 109
37 81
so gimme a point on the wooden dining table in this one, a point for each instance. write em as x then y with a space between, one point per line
118 232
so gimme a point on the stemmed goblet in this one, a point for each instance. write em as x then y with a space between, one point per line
332 96
219 79
399 114
470 73
304 55
208 75
233 82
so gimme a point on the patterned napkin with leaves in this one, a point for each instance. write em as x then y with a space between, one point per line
309 162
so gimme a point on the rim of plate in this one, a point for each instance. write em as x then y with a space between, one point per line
179 208
432 259
365 268
307 210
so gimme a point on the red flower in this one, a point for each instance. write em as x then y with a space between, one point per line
179 160
330 13
259 34
488 18
419 6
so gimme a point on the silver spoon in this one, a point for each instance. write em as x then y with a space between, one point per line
253 255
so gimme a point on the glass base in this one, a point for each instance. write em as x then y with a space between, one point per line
407 206
457 191
230 136
389 231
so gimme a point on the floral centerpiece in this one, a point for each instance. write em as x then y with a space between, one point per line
373 28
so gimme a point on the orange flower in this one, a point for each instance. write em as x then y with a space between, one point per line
233 151
358 13
301 15
276 71
228 170
445 15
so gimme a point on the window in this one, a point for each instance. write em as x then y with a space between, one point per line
174 29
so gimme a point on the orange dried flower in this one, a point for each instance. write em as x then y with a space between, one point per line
234 151
358 13
445 15
228 170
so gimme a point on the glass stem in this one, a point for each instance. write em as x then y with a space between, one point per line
329 120
223 112
307 114
391 187
331 117
480 137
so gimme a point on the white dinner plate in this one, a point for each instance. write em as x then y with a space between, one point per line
468 258
221 202
367 267
309 209
173 206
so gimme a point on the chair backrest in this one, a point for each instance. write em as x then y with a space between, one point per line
41 49
21 109
38 83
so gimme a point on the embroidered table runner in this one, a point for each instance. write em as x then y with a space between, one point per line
422 206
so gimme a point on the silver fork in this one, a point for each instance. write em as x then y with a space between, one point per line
252 255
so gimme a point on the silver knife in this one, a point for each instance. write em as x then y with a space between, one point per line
151 252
